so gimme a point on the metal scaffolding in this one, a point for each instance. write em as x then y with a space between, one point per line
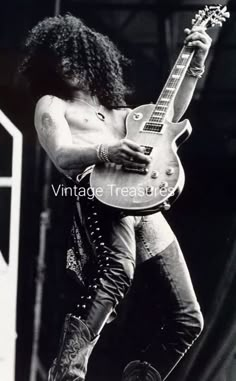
9 271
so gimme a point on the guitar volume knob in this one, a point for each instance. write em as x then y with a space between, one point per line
170 171
154 174
137 116
149 190
164 184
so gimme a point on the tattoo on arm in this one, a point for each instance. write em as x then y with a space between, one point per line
48 125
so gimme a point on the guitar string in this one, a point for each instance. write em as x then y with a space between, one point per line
165 94
172 83
168 94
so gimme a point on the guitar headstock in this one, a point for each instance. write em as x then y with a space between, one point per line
210 16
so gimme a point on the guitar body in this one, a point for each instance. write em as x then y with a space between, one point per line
144 193
136 192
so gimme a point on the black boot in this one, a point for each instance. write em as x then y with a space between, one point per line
79 336
109 283
75 348
140 371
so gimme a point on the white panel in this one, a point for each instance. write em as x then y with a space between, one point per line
9 272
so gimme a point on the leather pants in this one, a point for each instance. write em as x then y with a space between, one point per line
116 240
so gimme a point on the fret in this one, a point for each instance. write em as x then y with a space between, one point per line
158 116
156 113
184 57
170 88
167 94
156 121
164 100
175 76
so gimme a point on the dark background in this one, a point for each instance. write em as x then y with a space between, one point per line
151 34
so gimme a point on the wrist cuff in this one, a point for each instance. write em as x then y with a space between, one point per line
102 153
195 71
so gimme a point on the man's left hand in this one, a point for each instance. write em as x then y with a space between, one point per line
201 41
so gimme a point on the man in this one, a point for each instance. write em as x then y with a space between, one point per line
75 75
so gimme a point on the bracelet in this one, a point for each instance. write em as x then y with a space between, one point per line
195 71
102 153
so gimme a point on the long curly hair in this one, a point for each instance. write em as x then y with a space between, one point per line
63 47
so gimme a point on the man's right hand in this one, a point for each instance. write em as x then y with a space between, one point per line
129 154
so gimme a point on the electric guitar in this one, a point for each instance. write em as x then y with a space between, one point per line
137 192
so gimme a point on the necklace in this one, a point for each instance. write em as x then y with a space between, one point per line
98 112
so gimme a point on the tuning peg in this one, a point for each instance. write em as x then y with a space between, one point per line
211 16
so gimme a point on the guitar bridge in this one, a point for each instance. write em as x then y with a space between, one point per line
142 171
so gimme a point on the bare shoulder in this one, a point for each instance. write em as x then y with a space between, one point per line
48 111
127 111
50 104
49 121
124 111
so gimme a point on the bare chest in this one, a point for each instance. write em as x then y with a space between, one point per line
86 127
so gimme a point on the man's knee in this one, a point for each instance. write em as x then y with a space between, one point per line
187 329
198 324
193 327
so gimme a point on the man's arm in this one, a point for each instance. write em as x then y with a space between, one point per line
201 41
55 136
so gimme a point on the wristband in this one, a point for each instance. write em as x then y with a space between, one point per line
195 71
102 153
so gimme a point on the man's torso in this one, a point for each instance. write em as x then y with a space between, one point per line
87 129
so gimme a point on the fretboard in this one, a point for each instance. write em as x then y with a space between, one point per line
172 84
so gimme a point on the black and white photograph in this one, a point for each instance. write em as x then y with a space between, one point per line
117 190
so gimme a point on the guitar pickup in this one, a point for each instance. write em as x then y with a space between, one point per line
152 127
147 149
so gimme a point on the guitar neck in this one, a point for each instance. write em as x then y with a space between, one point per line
172 84
208 17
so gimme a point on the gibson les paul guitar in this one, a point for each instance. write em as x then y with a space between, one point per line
135 191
